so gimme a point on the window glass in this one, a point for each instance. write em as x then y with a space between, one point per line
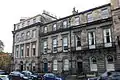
66 64
65 24
65 43
34 33
27 50
54 27
54 45
109 59
45 29
90 17
55 65
107 36
34 49
78 41
45 47
77 20
105 13
91 36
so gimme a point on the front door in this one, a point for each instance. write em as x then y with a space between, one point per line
21 67
80 68
45 67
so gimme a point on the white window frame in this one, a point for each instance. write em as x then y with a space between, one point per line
110 66
22 36
54 27
28 34
45 47
34 47
55 65
107 44
17 38
77 21
54 44
90 17
65 24
66 65
65 43
28 50
78 47
105 13
90 38
22 50
45 29
93 66
17 52
34 33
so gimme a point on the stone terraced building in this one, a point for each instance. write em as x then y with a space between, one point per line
83 42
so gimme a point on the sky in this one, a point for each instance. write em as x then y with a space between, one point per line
12 10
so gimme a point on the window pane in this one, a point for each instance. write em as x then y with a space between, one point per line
77 21
64 24
66 64
91 36
109 59
55 65
78 40
54 27
90 17
105 13
45 29
54 45
34 33
107 36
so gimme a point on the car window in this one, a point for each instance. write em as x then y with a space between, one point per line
50 75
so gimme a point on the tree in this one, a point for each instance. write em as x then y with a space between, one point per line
1 46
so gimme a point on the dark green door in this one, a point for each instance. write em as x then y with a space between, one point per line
45 67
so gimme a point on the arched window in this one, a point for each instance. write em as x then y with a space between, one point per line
66 64
55 64
93 60
110 59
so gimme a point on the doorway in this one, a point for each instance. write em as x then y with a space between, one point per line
45 67
80 67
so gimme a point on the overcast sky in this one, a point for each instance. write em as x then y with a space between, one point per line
12 10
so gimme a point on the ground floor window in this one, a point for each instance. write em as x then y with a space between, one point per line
66 64
93 64
55 63
110 63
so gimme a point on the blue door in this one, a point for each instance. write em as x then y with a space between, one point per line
45 67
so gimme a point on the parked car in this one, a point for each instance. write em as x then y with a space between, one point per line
95 78
51 76
3 72
4 77
110 75
18 74
31 75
